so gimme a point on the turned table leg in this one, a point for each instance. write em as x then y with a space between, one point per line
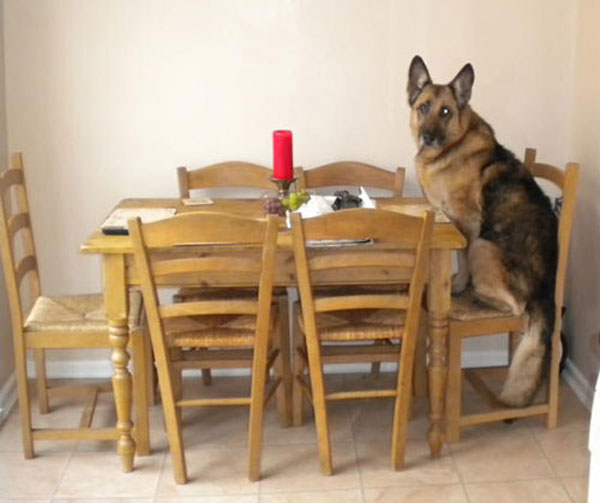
438 301
116 305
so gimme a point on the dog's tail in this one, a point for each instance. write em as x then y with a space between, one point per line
528 363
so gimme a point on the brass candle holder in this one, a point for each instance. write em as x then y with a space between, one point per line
283 186
274 204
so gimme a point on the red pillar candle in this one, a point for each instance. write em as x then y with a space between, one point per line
283 164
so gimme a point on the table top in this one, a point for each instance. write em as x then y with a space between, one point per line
445 234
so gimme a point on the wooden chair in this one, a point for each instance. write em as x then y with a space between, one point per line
238 332
354 174
61 322
229 174
351 174
224 174
471 319
330 320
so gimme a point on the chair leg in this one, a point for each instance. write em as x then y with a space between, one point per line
172 419
41 381
140 386
177 380
151 378
402 409
454 390
513 342
299 367
257 406
24 402
282 364
319 404
376 366
554 385
420 368
206 377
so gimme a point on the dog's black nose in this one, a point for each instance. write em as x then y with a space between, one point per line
428 138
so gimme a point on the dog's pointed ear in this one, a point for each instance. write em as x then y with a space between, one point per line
418 78
462 84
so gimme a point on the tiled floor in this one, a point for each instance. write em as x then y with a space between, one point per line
512 463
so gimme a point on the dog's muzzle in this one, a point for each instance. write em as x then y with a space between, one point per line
432 140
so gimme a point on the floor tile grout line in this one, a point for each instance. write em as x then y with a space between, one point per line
160 474
537 442
458 474
62 475
355 448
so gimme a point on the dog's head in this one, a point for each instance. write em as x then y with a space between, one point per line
439 113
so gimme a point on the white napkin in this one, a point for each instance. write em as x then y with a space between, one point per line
367 202
316 206
321 205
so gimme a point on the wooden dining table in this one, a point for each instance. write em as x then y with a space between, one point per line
119 275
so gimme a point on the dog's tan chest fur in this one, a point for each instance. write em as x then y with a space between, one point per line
456 190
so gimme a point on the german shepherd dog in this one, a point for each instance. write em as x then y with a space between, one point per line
512 252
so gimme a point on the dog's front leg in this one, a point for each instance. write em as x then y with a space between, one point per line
461 278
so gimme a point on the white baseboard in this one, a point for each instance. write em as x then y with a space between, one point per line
74 369
578 383
487 358
8 396
101 369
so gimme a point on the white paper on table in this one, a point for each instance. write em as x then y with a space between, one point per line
367 202
317 206
322 205
116 222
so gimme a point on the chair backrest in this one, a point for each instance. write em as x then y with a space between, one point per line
170 252
16 242
351 174
400 245
224 174
566 181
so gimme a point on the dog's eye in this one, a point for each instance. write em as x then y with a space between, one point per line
444 112
424 108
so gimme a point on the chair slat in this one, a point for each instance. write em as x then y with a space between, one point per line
231 174
367 275
503 414
551 173
343 302
353 395
381 226
351 174
18 222
9 178
27 264
204 264
203 307
197 228
343 260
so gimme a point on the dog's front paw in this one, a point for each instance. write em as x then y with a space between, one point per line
459 283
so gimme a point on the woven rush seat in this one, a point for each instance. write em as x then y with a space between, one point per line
68 313
467 306
361 324
211 330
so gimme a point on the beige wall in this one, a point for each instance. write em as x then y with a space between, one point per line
106 97
6 352
583 294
